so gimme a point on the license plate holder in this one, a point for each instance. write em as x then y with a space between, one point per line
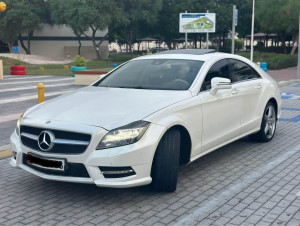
46 163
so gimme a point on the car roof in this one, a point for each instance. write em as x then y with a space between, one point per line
190 54
189 51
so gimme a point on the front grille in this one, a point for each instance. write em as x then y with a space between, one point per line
71 169
65 142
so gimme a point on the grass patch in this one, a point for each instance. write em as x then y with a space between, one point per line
58 69
275 61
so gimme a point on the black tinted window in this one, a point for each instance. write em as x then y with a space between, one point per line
219 69
242 71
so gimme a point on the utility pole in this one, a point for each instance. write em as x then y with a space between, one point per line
233 29
207 36
252 30
185 37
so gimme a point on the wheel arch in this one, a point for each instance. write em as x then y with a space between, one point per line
185 143
273 101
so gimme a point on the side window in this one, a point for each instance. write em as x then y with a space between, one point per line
219 69
242 71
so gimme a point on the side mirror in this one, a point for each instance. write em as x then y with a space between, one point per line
219 83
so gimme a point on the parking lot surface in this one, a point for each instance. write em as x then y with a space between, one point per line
244 183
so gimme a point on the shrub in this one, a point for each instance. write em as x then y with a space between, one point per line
79 61
275 61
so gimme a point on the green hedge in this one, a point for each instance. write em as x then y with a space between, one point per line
275 61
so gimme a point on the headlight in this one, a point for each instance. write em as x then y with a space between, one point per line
124 135
18 124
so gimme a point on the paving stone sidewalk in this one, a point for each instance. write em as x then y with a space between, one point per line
244 183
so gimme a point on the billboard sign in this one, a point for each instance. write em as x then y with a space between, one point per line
197 22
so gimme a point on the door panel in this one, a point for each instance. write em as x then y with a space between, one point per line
221 111
250 93
221 117
250 86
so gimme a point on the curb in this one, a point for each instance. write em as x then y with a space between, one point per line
289 82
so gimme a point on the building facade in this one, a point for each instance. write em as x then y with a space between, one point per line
59 41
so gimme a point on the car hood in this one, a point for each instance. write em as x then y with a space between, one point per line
108 108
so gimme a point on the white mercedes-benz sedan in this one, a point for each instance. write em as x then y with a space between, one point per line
137 124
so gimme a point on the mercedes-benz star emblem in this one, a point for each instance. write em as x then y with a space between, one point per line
45 140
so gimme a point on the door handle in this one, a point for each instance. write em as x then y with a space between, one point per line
259 86
235 91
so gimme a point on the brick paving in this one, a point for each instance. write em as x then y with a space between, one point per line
243 183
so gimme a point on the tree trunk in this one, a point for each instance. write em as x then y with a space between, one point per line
200 41
130 42
96 48
22 43
195 40
224 44
79 44
10 45
139 43
295 39
219 43
282 37
30 34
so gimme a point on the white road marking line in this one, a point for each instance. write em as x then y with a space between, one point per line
31 97
5 147
34 87
26 77
11 117
43 81
298 194
211 204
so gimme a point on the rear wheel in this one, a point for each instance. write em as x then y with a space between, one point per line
268 125
166 162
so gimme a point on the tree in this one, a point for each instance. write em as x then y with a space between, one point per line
21 17
73 13
138 17
102 14
279 16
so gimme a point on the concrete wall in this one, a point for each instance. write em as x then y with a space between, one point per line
59 42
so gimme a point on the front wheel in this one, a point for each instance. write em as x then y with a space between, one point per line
166 162
268 125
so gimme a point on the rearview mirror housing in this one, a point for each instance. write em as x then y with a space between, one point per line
219 83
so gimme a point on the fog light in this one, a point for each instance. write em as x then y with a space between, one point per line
116 172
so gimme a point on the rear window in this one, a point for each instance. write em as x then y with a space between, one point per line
242 71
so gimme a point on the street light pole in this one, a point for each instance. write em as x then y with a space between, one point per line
298 44
252 30
207 35
185 37
233 29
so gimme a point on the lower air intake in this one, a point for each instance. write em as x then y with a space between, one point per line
116 172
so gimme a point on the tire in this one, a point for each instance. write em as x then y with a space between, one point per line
268 125
165 165
17 68
17 72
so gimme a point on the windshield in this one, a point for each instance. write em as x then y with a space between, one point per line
162 74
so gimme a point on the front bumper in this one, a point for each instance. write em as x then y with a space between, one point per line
138 156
